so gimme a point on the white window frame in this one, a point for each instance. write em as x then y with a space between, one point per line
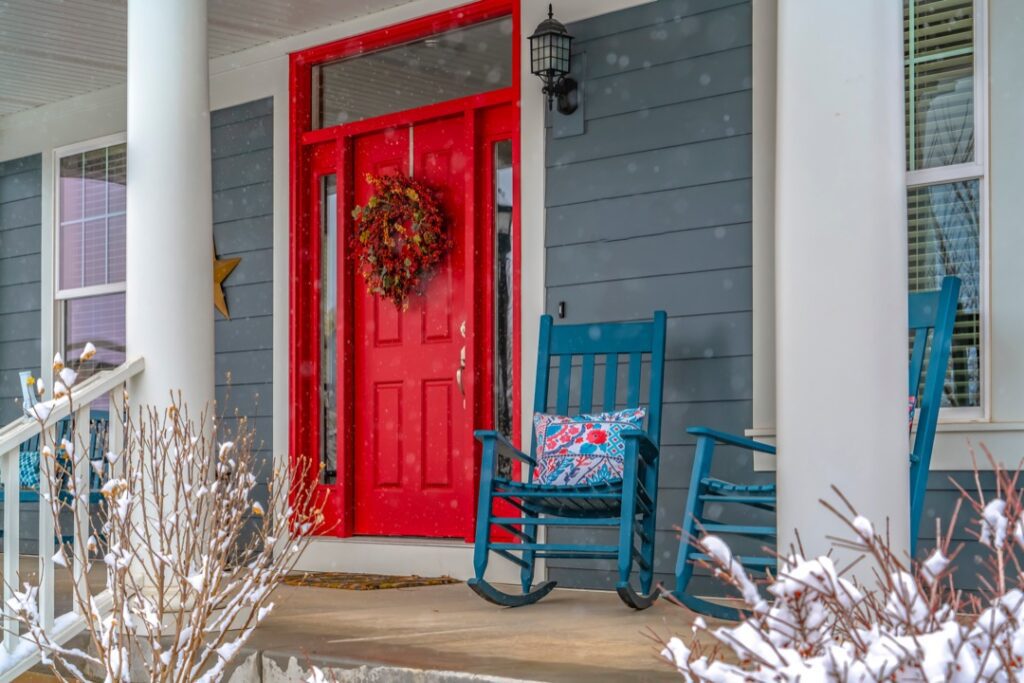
978 169
62 295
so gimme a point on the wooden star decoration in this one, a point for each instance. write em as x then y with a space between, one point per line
221 269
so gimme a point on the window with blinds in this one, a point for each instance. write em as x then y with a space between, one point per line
90 269
945 177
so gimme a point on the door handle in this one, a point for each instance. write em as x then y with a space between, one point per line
459 372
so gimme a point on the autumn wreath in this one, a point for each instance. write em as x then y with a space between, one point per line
399 237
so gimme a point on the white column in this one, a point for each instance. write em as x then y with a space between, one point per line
841 282
169 316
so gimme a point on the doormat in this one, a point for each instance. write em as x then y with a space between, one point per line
364 582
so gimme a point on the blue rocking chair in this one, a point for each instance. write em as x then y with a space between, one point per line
628 504
930 312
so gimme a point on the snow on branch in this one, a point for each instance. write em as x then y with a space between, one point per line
190 553
809 623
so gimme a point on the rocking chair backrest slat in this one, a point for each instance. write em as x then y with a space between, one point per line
633 398
587 384
564 382
933 312
582 345
611 380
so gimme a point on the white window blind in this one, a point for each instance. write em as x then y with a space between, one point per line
90 271
945 176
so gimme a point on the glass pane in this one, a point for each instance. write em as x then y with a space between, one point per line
92 203
503 398
71 252
117 177
328 326
96 319
116 247
459 63
94 183
71 188
94 253
939 52
943 240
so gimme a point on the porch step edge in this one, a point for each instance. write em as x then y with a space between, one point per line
273 667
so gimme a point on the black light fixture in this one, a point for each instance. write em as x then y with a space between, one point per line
551 59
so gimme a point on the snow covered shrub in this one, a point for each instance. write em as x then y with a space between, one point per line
190 555
812 624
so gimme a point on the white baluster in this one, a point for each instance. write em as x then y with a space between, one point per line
80 506
46 550
12 541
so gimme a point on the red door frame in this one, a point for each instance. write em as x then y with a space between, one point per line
305 163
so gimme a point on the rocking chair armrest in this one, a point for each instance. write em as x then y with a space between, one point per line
502 445
645 445
732 440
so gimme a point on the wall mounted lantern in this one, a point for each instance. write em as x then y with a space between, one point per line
551 59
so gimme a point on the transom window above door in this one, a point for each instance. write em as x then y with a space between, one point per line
459 63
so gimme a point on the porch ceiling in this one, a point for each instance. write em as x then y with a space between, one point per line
51 50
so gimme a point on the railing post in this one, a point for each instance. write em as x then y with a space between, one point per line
12 543
47 472
80 505
115 425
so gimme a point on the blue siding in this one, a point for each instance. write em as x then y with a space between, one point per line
20 243
650 208
242 140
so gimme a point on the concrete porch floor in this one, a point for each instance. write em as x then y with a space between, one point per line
572 635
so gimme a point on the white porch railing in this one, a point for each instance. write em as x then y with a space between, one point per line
19 654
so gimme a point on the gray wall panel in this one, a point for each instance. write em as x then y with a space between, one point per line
19 269
242 139
676 124
21 186
666 43
720 291
724 246
690 79
243 202
650 209
246 234
650 213
700 163
650 15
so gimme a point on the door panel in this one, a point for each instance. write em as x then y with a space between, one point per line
414 446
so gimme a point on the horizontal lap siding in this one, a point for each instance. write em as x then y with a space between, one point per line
650 209
242 141
21 184
939 505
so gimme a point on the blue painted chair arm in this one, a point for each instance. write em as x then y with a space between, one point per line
732 440
648 451
502 445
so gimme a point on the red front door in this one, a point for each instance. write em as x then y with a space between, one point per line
384 401
413 441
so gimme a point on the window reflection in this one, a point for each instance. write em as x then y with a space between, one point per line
459 63
943 240
503 401
328 327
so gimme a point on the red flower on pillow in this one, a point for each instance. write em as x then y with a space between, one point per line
597 436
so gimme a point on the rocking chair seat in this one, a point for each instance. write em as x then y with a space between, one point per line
580 501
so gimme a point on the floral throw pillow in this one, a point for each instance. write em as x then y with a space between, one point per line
584 450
